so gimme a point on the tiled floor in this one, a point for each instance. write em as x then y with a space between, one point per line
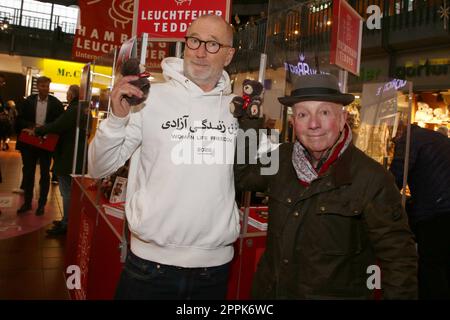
31 265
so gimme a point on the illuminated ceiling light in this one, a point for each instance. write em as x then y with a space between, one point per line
58 87
296 32
328 23
101 75
4 24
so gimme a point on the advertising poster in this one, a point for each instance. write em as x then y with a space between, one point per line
104 26
169 20
346 37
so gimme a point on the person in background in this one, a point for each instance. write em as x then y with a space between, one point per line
429 206
5 123
334 213
14 114
65 126
54 176
181 246
35 111
2 85
10 104
2 105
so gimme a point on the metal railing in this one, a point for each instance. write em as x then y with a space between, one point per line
308 26
16 17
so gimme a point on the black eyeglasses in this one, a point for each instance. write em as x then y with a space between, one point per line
211 46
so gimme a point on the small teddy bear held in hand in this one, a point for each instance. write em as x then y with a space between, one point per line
132 67
250 102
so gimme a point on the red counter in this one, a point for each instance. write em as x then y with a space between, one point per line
93 244
93 241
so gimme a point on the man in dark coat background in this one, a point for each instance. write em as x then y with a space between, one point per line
35 111
429 207
66 127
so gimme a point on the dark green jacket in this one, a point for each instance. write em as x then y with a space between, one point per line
65 126
322 238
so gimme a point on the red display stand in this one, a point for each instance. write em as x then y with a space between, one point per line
93 241
247 252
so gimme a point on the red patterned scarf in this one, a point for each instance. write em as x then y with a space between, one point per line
301 159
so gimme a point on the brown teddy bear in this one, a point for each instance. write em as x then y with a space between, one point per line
250 102
132 67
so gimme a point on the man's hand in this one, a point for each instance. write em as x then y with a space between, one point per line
120 106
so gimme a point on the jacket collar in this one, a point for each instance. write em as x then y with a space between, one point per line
42 100
340 171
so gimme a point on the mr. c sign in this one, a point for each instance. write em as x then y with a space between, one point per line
168 20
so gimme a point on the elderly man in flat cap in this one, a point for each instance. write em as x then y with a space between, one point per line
337 229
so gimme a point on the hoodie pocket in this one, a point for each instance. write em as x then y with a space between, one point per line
136 210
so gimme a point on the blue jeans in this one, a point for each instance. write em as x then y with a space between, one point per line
146 280
65 187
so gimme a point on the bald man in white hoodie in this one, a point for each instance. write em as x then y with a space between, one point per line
180 202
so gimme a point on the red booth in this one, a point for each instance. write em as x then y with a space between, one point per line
94 242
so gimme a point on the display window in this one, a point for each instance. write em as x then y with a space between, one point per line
431 110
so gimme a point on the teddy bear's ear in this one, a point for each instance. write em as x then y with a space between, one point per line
258 87
248 89
130 67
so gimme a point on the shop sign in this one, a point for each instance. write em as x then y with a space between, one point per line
66 72
168 20
346 36
104 25
394 84
63 72
428 67
301 68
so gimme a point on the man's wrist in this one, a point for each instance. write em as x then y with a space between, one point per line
117 121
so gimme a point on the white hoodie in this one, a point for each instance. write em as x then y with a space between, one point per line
180 195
